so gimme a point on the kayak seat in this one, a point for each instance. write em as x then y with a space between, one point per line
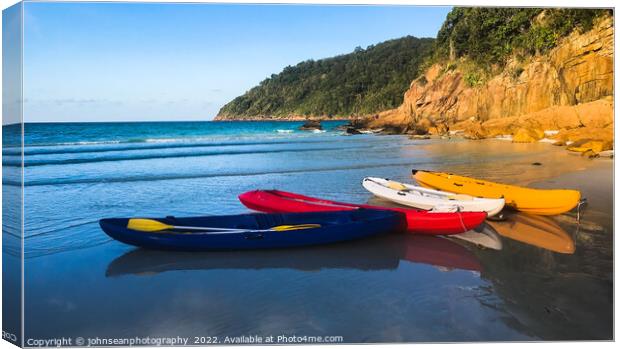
460 197
397 186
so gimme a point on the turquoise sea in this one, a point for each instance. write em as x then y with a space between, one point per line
80 283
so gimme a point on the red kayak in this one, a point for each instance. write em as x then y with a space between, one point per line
419 222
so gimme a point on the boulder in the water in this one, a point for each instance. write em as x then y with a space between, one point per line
352 131
311 125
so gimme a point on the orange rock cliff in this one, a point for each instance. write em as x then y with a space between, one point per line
565 96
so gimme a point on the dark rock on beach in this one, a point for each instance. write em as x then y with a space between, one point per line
393 130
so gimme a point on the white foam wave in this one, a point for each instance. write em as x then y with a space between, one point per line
89 143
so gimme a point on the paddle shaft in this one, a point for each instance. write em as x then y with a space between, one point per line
234 231
210 229
292 227
231 231
151 225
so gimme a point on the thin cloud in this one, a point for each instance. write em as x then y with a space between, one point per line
70 101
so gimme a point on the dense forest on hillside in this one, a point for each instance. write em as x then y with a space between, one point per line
491 35
364 81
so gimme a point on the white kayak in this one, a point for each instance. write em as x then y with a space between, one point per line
430 199
484 236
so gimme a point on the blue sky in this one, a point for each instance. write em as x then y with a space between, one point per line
131 61
11 65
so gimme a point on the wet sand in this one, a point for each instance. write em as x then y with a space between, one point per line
387 289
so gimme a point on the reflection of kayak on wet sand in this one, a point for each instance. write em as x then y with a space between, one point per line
483 236
367 254
440 252
382 253
535 230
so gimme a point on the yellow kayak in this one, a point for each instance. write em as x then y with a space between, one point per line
534 201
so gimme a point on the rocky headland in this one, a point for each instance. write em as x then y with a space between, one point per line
564 97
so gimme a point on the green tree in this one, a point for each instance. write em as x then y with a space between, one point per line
362 82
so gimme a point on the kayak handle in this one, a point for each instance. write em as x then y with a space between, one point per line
582 202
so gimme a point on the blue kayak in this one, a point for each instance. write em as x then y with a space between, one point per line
251 231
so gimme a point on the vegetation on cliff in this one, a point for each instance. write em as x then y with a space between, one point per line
489 36
362 82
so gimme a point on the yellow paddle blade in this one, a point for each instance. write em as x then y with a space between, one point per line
142 224
295 227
